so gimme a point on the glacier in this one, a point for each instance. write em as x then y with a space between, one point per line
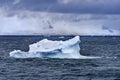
52 49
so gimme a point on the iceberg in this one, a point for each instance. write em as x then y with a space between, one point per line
51 49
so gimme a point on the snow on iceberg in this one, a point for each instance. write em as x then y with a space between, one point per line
52 49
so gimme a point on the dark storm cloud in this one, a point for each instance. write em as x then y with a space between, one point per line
65 6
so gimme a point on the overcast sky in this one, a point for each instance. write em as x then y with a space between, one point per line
65 6
98 9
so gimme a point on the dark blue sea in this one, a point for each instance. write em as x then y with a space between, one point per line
105 68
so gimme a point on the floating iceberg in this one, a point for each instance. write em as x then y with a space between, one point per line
51 49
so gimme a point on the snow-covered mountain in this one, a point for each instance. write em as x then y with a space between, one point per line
44 23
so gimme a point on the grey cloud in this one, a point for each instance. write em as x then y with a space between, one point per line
66 6
91 6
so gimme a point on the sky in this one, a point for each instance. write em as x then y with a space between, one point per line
59 17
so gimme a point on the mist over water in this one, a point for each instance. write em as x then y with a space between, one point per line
44 23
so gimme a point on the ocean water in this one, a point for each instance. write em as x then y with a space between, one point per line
105 68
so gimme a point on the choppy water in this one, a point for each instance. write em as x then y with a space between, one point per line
105 68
